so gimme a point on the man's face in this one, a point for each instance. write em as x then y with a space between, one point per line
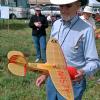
69 10
87 15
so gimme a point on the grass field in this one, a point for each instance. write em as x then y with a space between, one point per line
17 36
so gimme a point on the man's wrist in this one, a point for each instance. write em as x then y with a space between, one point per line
83 72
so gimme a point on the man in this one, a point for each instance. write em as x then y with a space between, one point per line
97 16
77 41
87 16
38 23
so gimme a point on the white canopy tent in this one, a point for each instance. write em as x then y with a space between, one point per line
94 3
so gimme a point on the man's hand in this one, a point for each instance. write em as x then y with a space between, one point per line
40 80
79 76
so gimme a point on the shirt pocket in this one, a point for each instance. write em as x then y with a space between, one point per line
77 48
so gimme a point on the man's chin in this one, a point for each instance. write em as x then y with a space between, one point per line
66 18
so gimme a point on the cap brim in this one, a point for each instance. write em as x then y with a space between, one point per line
88 12
62 2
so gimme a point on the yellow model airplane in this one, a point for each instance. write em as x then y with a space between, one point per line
55 67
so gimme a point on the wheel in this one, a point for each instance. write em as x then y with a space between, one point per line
12 16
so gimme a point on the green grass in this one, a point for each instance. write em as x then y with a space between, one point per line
18 37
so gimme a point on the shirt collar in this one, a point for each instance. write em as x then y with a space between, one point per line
69 22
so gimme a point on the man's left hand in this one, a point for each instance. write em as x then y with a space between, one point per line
79 76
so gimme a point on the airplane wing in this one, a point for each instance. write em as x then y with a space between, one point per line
59 75
61 81
17 63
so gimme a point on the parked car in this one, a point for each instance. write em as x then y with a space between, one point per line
50 10
96 10
18 12
97 14
31 11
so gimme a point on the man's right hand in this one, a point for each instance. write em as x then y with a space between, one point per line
40 80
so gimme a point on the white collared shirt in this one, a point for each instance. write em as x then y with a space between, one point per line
78 44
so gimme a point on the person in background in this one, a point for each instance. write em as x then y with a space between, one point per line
49 19
80 52
97 16
87 16
39 23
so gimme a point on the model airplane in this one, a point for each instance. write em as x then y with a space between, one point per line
55 67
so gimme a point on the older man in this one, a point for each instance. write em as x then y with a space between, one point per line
77 41
87 16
